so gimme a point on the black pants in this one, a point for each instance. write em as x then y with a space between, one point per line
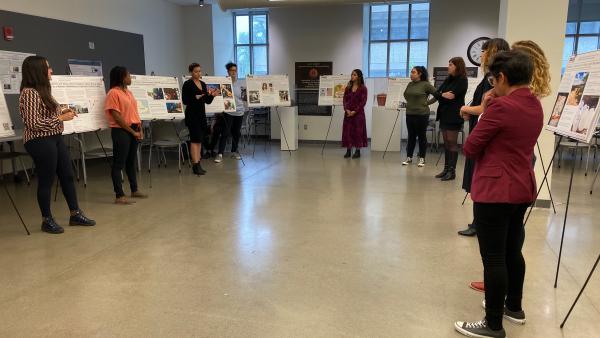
226 126
51 158
501 234
124 157
417 128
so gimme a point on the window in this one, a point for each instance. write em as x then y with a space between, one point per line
583 29
398 38
251 43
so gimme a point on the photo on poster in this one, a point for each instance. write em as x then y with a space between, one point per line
226 91
156 94
323 92
254 96
244 94
559 105
577 88
271 90
174 108
338 91
77 108
214 89
284 96
229 104
265 87
585 114
6 127
143 107
171 93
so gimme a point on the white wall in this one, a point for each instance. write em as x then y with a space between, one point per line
198 38
323 33
454 24
159 21
222 39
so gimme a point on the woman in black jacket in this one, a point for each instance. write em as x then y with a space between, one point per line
194 95
448 113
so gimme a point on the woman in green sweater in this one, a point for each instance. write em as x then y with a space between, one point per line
417 112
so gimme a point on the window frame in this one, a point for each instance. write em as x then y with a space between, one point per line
577 34
250 44
389 41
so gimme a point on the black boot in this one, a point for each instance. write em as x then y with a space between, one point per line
356 153
197 169
451 174
200 169
79 218
348 153
51 227
446 167
469 232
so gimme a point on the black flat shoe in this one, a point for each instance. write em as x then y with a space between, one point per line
356 154
82 220
348 153
51 227
470 232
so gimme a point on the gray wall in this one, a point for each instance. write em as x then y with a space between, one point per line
61 40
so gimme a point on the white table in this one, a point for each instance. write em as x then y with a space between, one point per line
382 124
289 126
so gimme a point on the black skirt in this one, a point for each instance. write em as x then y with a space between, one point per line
451 126
197 127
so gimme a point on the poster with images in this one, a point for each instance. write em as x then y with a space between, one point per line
221 88
158 97
10 70
575 113
395 92
85 95
331 89
6 126
85 67
268 90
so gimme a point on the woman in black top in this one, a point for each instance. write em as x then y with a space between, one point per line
194 95
448 114
471 113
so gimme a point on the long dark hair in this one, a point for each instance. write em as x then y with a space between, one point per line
35 75
361 79
423 71
461 68
117 76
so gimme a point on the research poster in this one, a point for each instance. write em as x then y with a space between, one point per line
85 95
268 90
158 97
85 67
10 70
395 92
331 89
221 88
575 113
6 126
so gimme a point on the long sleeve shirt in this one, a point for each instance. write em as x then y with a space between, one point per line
416 95
39 120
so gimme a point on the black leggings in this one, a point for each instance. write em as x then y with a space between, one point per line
51 158
124 157
501 235
227 125
417 128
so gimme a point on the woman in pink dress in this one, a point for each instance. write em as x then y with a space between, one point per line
354 134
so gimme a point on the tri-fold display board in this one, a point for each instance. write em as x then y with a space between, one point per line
331 89
85 95
575 113
158 97
6 125
268 91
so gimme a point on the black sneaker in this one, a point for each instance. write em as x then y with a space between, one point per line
515 317
50 226
469 232
80 219
478 329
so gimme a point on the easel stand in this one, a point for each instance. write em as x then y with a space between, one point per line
328 129
283 130
14 205
580 292
392 134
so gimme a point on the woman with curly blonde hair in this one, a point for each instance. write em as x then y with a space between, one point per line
540 84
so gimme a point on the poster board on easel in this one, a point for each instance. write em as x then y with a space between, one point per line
158 97
268 91
6 125
395 92
575 113
221 88
331 89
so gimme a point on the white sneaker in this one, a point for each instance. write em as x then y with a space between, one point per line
219 158
236 156
408 161
421 162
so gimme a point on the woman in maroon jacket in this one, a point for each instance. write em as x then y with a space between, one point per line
354 133
503 187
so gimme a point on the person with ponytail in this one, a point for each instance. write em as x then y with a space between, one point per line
43 120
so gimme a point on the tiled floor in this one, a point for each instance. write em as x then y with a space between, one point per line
300 246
